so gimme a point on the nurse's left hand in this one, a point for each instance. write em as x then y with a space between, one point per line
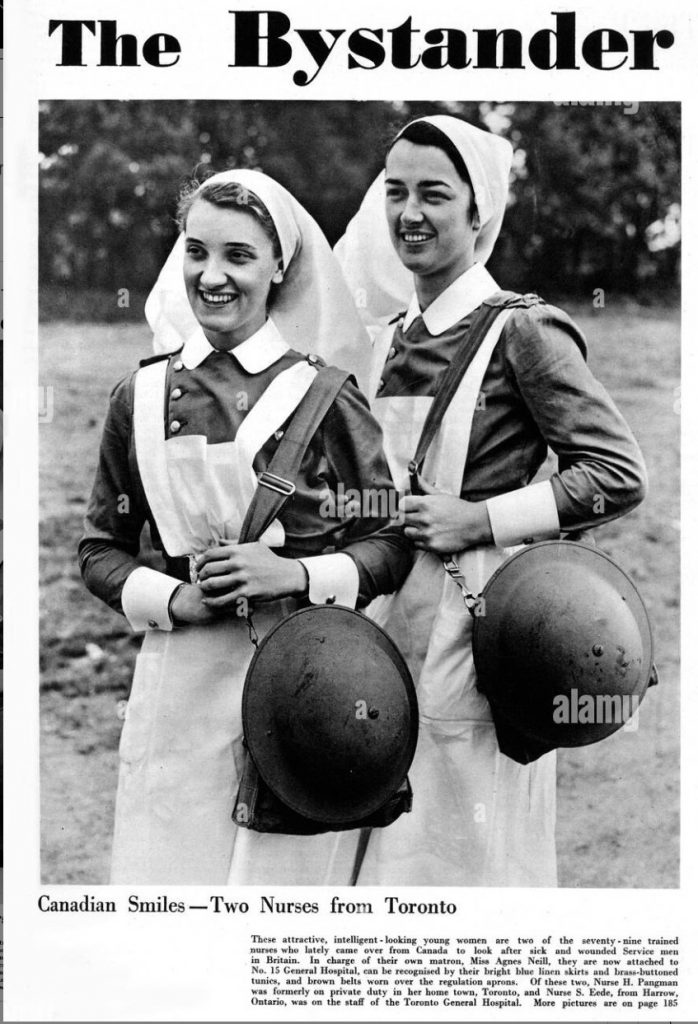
442 523
228 572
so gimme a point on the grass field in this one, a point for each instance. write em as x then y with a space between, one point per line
618 819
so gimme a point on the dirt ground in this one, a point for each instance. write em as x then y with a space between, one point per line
618 801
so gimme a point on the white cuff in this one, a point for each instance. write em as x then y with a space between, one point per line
145 598
523 516
332 578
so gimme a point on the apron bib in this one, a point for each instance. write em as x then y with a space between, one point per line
478 817
181 748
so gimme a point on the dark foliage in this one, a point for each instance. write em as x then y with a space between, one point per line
592 187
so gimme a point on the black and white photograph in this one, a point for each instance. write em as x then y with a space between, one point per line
349 448
373 410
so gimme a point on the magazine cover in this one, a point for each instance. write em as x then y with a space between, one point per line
348 356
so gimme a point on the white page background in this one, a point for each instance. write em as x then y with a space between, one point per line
187 967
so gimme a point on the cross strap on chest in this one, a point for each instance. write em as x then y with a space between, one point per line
275 484
448 385
454 373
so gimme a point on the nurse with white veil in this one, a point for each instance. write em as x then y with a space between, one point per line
250 287
415 253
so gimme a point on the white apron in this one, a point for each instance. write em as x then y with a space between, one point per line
478 817
181 747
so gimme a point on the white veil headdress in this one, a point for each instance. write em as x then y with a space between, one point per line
312 307
380 283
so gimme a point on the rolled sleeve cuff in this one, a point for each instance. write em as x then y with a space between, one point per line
524 516
333 578
146 597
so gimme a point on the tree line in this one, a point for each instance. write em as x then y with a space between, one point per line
595 189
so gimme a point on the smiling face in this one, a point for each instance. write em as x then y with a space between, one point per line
428 206
229 267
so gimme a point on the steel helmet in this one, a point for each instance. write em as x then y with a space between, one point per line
562 647
329 714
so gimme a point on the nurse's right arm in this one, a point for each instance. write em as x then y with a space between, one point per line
116 513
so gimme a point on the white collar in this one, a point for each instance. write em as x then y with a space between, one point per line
461 297
255 354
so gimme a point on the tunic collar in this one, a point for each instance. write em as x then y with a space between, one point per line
255 354
461 297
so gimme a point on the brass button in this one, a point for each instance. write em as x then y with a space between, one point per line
401 322
392 353
177 393
381 384
278 434
175 426
179 365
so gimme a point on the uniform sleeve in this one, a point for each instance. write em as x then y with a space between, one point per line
601 472
111 537
373 548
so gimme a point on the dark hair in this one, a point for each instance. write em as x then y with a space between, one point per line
228 194
423 133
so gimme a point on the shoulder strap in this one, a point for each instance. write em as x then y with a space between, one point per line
158 358
454 373
276 482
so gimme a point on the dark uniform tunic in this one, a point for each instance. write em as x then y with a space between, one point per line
537 392
212 398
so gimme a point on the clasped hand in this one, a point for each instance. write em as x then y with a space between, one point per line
229 572
442 523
